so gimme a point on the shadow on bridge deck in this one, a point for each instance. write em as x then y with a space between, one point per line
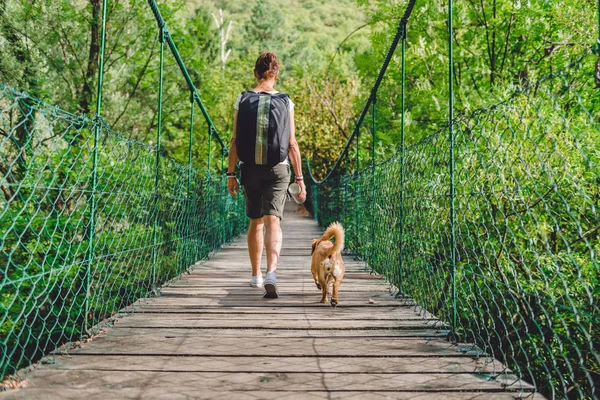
209 335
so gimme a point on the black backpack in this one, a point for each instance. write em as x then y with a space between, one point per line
263 128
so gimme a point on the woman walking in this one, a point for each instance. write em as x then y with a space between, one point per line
264 141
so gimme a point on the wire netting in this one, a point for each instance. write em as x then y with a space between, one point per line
56 283
527 184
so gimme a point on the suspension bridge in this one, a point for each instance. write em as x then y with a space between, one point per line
471 254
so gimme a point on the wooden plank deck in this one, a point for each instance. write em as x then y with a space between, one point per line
210 335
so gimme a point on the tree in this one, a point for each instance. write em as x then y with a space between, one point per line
224 35
264 27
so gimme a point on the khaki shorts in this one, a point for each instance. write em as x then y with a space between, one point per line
265 189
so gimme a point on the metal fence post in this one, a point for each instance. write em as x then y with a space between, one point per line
222 198
316 202
452 164
374 143
356 189
188 257
401 216
157 170
210 133
94 178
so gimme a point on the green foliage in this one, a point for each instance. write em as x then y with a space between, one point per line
46 47
498 46
264 28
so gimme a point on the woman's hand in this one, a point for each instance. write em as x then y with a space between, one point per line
302 195
233 187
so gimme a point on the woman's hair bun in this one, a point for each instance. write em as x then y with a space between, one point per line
266 66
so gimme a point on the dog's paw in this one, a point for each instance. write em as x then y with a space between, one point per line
318 285
334 303
323 301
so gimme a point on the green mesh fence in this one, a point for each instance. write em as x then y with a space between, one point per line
493 228
91 221
51 290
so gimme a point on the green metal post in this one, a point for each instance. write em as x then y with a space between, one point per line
451 163
210 133
339 186
374 130
158 138
188 258
223 192
356 194
401 216
345 188
94 184
357 151
316 202
373 135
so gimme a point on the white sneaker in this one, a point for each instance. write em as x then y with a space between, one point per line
270 286
256 281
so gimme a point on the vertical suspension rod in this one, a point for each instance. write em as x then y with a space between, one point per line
158 142
210 133
373 145
402 124
452 163
188 259
94 183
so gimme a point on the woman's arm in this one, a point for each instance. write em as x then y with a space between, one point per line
232 183
295 158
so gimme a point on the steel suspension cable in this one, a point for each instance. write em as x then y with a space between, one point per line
403 20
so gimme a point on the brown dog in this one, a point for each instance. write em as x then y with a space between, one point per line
327 264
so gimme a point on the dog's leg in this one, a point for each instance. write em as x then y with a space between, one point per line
324 292
324 281
334 295
313 270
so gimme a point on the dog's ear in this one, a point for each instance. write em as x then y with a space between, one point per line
315 243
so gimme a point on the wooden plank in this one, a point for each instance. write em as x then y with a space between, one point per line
307 290
291 263
341 317
267 381
267 309
327 313
170 393
277 333
257 293
284 300
391 365
243 281
278 347
243 276
259 301
159 321
309 293
350 286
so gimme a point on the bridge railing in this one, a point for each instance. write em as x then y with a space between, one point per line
91 220
488 220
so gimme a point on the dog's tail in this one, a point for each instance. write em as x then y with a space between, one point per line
335 229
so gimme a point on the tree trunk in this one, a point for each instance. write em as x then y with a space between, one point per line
87 92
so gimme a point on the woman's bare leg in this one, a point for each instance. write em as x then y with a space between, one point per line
273 241
255 244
